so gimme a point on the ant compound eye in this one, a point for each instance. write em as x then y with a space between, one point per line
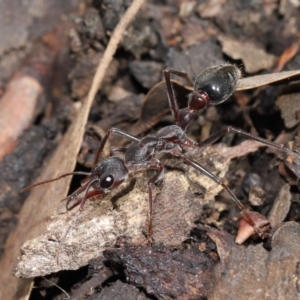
107 182
219 82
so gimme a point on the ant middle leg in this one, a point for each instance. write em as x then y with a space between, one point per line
115 131
156 165
117 149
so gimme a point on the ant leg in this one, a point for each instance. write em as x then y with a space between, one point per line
89 195
183 117
244 211
182 75
54 179
104 140
117 149
171 96
215 136
75 194
156 165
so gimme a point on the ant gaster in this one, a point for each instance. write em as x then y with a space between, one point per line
211 87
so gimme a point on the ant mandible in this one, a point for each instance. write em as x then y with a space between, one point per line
211 87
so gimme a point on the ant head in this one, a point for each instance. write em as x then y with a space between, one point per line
108 174
218 82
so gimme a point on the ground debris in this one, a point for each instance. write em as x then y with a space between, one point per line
281 206
90 286
165 274
184 35
253 57
254 272
73 238
289 108
119 290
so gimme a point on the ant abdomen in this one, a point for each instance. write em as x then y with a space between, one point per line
218 82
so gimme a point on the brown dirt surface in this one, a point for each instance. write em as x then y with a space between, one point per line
49 54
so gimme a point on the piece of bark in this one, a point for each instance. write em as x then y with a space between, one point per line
255 273
120 290
166 274
73 238
88 287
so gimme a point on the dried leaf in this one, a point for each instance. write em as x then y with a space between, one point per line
293 163
261 80
287 55
281 206
211 8
253 57
156 105
289 106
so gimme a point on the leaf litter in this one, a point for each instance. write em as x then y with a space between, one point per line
123 212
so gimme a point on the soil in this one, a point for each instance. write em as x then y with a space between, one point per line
196 259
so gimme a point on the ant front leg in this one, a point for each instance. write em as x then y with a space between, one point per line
82 200
85 188
215 136
156 165
115 131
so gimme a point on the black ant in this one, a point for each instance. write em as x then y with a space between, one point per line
212 87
